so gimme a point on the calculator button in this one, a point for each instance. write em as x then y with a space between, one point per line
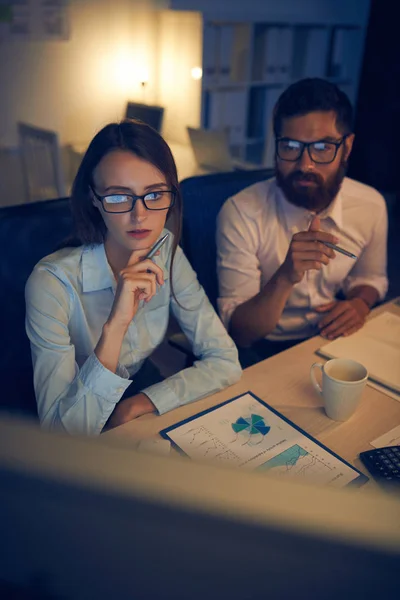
383 463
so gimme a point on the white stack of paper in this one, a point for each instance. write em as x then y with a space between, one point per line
376 346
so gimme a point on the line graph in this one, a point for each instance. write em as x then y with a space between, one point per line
298 462
204 444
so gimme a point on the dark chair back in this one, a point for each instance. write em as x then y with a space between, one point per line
28 232
203 197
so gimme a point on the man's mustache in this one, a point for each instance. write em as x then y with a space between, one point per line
302 176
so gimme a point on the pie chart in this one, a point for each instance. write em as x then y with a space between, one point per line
253 425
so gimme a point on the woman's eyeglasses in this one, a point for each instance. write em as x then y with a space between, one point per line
121 203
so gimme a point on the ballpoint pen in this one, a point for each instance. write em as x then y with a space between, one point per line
157 246
341 250
152 252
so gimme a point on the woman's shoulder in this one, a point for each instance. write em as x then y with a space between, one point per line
66 259
63 266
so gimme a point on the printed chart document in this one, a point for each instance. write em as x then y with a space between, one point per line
376 346
246 432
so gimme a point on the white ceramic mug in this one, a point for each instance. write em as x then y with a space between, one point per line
343 381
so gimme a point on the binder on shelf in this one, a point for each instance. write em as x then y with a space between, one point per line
257 71
316 52
235 115
271 49
344 53
240 52
285 51
210 54
216 107
255 120
310 52
269 147
226 38
299 51
227 111
337 67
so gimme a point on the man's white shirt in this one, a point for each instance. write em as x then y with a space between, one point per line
254 231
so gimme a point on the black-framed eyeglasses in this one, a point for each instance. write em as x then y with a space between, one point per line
320 152
121 202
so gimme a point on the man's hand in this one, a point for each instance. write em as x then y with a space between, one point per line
129 409
343 317
307 251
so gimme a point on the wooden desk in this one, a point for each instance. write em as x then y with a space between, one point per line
283 381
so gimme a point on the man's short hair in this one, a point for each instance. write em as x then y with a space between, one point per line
311 95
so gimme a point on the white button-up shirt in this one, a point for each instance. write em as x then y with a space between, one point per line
254 231
69 296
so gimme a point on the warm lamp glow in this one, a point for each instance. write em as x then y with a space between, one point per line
142 75
196 72
121 65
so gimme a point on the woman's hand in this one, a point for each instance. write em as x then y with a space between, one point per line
137 281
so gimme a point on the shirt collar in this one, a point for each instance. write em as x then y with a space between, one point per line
298 218
335 210
97 273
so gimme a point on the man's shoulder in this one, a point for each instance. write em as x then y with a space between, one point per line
355 192
251 200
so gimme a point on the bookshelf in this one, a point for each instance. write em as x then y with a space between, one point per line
247 65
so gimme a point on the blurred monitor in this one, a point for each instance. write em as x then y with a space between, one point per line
152 115
211 150
92 518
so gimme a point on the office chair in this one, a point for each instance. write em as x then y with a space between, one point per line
28 232
203 196
41 163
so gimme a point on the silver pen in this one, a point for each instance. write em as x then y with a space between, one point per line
341 250
157 246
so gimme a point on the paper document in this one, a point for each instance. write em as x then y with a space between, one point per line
391 438
376 346
245 432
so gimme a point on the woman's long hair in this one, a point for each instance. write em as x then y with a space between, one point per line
143 141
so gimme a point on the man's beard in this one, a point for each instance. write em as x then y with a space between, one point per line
315 198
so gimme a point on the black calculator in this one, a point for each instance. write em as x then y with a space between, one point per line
383 464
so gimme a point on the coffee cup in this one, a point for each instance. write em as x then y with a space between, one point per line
343 381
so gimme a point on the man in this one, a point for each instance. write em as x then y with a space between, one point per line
278 279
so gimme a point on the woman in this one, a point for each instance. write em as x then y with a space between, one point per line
96 312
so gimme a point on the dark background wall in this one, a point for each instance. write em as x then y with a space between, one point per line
375 159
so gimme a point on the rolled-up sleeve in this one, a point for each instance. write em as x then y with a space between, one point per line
238 268
370 268
73 399
218 364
